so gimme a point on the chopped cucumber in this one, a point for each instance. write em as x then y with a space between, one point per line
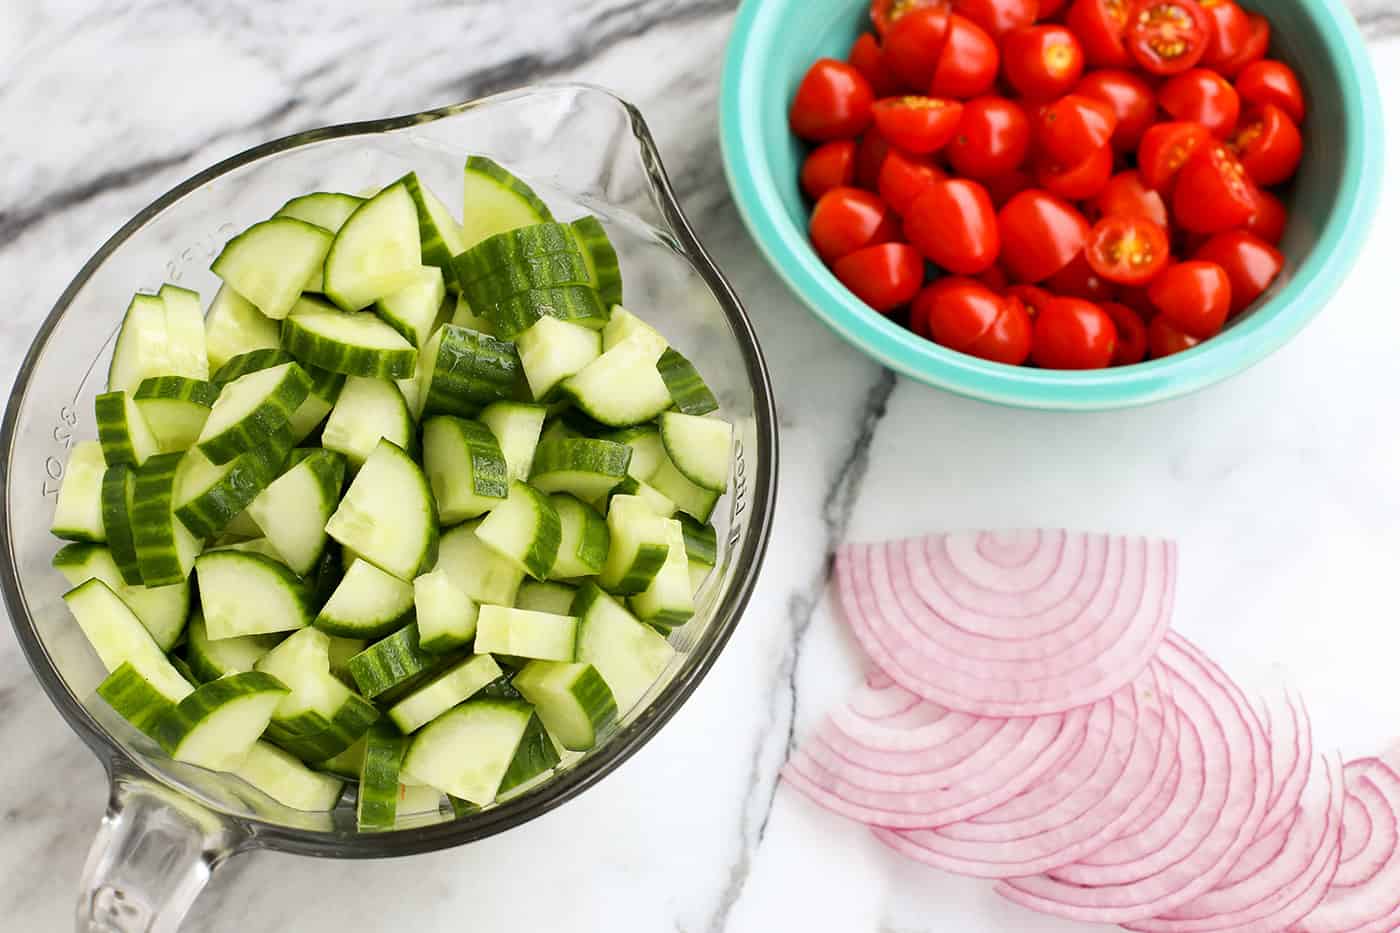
367 411
243 593
464 369
446 616
294 509
552 350
517 426
438 231
368 603
118 494
78 514
136 699
286 780
270 262
629 655
234 326
648 493
538 255
477 569
378 800
603 266
688 391
175 408
495 201
162 609
390 662
376 252
695 501
699 447
165 548
143 345
351 342
208 496
540 596
583 466
465 467
572 699
464 316
413 309
252 410
623 325
639 542
125 436
320 717
578 304
647 450
524 529
525 633
469 751
327 210
701 541
216 726
118 637
187 347
622 387
458 683
667 601
699 573
210 659
584 539
388 516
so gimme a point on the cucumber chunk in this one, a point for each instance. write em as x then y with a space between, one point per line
468 751
251 362
350 342
136 699
524 529
524 633
286 780
623 324
458 683
77 516
667 600
496 201
326 209
165 548
122 429
413 309
465 467
577 304
572 700
532 256
602 259
464 316
584 539
701 541
376 252
175 408
446 616
208 496
640 541
234 326
118 637
586 467
701 448
517 426
648 493
390 662
210 659
270 262
252 410
540 596
367 411
118 494
695 501
162 609
464 369
552 350
377 805
143 345
476 569
292 512
630 656
438 232
388 516
688 391
647 450
186 346
368 603
320 716
347 764
622 387
243 593
216 726
699 573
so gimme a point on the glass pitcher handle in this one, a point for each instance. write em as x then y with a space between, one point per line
153 854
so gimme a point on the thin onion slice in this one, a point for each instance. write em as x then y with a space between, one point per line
1291 751
1356 828
1373 905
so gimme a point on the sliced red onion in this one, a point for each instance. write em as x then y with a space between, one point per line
1356 828
1290 752
1372 906
1365 863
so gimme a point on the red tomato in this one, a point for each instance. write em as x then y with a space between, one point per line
1193 296
995 279
904 177
868 58
1131 345
1271 82
1269 145
1074 128
1048 9
1229 30
1167 36
954 224
1071 333
1213 192
914 42
1132 99
1042 62
848 219
1127 250
1163 339
1033 297
1254 48
917 124
1202 96
830 165
1008 340
967 67
1126 195
884 13
956 311
1269 219
998 17
1165 149
870 156
1078 182
1079 280
1251 264
992 139
884 276
832 102
1040 234
1100 26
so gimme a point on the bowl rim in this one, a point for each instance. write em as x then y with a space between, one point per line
749 170
763 471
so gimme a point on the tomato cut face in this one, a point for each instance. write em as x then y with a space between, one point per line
1250 263
1125 194
1167 36
1192 296
1131 345
832 102
1071 333
883 276
920 125
1165 148
914 43
904 177
1213 192
992 139
954 224
1101 26
868 58
1269 145
830 165
885 13
1077 182
1042 62
1202 96
967 66
1270 82
1132 99
848 219
1040 234
1127 250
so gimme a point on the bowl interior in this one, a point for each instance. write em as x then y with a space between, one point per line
611 170
1330 202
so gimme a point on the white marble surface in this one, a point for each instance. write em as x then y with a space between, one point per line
1283 485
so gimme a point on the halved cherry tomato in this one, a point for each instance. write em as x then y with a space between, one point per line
832 102
1271 82
883 276
1164 340
992 139
1033 297
954 224
1228 33
1073 128
1193 296
1131 345
1269 219
1071 333
868 58
1269 145
1202 96
1167 36
914 42
1005 187
955 311
1126 195
1008 340
1042 62
1049 9
1079 280
848 219
1040 234
1254 48
1213 192
920 125
870 156
1077 182
884 13
830 165
1250 263
998 17
1100 26
1127 250
904 177
1136 298
1165 148
967 66
1132 99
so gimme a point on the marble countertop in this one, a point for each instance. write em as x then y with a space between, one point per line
1283 486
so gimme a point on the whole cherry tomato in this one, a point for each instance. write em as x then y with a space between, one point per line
1127 250
830 165
870 156
1071 333
1213 192
1229 31
1040 234
904 177
1100 26
994 278
1269 145
998 17
884 13
832 102
1193 296
1136 298
1165 149
1133 101
1126 195
967 66
1254 48
1008 340
955 311
1271 82
1049 9
913 44
992 139
1003 188
848 219
1163 339
868 58
1042 62
1077 182
954 224
1167 36
1131 345
1251 264
1033 297
884 276
1073 128
920 125
1269 219
1202 96
1079 280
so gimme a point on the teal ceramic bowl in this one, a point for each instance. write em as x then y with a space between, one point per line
1331 204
